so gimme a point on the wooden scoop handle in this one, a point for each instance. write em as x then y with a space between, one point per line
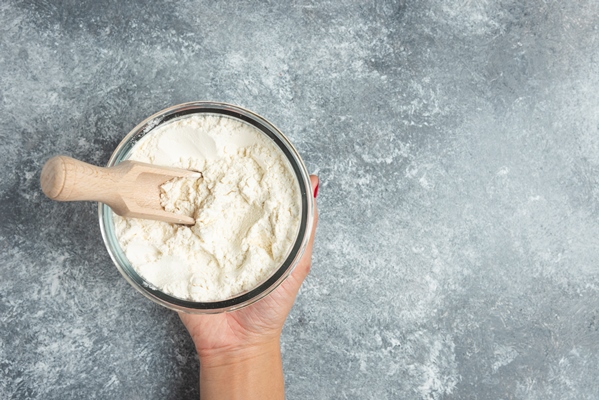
66 179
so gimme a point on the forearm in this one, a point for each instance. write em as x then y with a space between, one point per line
252 373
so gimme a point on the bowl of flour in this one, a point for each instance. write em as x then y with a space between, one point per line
252 205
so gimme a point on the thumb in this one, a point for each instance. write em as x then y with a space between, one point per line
303 267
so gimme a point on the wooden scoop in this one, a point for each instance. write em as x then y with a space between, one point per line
130 188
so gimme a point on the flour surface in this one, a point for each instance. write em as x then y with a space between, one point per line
246 206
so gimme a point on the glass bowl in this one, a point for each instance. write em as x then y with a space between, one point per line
278 275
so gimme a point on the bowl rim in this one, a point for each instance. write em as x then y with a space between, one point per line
278 275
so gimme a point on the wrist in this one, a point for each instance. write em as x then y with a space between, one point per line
242 352
251 372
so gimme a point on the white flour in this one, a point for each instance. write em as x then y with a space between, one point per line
246 207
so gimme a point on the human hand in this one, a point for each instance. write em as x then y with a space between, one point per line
226 342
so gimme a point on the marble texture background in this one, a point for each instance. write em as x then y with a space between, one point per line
457 143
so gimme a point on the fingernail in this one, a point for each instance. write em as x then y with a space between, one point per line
316 189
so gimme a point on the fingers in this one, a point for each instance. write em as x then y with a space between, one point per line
303 267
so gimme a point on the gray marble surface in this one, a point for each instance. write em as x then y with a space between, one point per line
457 143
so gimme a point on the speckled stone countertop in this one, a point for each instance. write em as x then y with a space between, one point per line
457 143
